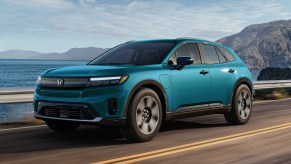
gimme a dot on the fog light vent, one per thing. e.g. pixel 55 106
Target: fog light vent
pixel 112 106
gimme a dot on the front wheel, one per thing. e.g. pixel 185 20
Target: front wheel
pixel 241 106
pixel 144 116
pixel 62 126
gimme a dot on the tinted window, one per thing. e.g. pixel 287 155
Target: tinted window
pixel 125 54
pixel 210 54
pixel 227 54
pixel 190 49
pixel 141 53
pixel 220 56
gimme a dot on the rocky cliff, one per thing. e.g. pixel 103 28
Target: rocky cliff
pixel 275 74
pixel 263 45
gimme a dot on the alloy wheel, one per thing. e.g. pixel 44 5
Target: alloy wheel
pixel 147 115
pixel 244 104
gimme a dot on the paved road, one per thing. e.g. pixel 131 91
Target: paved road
pixel 208 139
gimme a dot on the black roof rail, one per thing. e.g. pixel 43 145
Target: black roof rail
pixel 182 38
pixel 130 41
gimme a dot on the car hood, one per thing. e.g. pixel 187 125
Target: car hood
pixel 84 71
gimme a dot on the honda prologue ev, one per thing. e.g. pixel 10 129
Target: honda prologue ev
pixel 137 85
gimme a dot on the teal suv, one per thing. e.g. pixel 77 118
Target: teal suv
pixel 139 84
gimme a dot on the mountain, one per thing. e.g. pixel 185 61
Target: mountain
pixel 263 45
pixel 18 54
pixel 88 53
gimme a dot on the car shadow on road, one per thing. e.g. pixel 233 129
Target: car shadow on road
pixel 181 125
pixel 44 139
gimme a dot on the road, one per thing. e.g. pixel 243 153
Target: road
pixel 208 139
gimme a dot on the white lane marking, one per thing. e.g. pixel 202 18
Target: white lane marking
pixel 27 127
pixel 269 101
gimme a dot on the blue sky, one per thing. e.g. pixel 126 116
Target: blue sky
pixel 57 25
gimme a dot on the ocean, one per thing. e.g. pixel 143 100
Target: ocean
pixel 23 73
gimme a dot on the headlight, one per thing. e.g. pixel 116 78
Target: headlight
pixel 38 81
pixel 113 80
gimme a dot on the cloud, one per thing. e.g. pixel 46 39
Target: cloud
pixel 57 4
pixel 136 5
pixel 90 2
pixel 136 20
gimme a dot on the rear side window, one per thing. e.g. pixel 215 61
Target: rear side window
pixel 189 49
pixel 227 54
pixel 210 54
pixel 221 57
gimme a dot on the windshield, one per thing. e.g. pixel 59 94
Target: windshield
pixel 141 53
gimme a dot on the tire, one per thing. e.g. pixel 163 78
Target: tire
pixel 62 126
pixel 241 109
pixel 144 116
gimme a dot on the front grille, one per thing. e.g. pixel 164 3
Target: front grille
pixel 68 82
pixel 68 112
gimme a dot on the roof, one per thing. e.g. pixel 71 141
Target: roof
pixel 181 39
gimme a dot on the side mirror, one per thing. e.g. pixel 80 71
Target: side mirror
pixel 182 61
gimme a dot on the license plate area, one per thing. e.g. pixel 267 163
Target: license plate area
pixel 64 113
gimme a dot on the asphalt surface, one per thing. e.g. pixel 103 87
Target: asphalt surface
pixel 265 139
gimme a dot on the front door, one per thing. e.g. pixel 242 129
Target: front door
pixel 191 85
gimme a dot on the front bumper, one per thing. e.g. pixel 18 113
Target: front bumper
pixel 114 122
pixel 74 112
pixel 98 99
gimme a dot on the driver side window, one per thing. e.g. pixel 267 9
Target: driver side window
pixel 189 49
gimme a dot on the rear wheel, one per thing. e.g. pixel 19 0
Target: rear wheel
pixel 62 126
pixel 241 106
pixel 144 116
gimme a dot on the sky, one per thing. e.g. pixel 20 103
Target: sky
pixel 58 25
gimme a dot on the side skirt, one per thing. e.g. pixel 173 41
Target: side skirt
pixel 198 110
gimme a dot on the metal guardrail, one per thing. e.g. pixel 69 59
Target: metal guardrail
pixel 258 85
pixel 16 95
pixel 25 95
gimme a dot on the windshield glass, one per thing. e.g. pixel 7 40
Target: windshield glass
pixel 140 53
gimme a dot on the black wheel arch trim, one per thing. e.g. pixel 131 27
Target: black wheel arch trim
pixel 145 83
pixel 238 83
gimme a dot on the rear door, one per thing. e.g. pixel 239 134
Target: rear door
pixel 191 87
pixel 222 75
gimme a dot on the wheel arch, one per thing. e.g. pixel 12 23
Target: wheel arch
pixel 239 82
pixel 154 85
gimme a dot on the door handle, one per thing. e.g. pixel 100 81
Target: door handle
pixel 203 72
pixel 231 70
